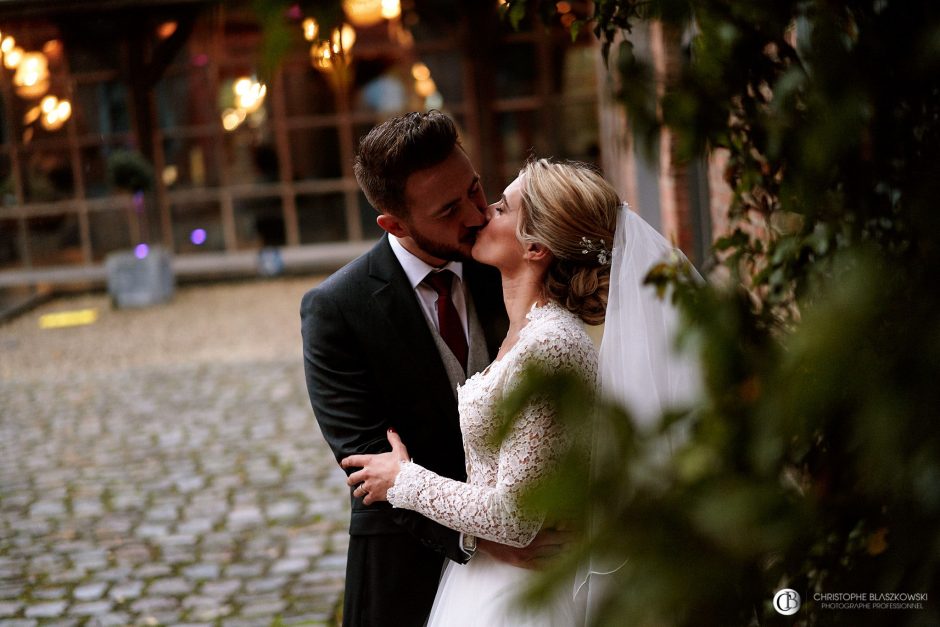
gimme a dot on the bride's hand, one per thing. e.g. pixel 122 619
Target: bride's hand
pixel 378 472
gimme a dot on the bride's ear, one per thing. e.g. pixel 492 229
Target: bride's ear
pixel 537 252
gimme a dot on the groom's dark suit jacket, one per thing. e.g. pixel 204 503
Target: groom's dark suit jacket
pixel 372 363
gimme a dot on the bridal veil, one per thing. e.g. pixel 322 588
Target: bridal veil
pixel 639 366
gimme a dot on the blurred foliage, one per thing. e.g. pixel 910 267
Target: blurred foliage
pixel 813 460
pixel 129 170
pixel 280 22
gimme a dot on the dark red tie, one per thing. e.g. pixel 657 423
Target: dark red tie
pixel 448 320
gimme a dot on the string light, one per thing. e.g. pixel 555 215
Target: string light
pixel 166 30
pixel 232 118
pixel 425 87
pixel 53 49
pixel 364 13
pixel 420 72
pixel 53 119
pixel 249 96
pixel 343 38
pixel 391 9
pixel 32 75
pixel 311 28
pixel 48 103
pixel 321 56
pixel 31 80
pixel 13 58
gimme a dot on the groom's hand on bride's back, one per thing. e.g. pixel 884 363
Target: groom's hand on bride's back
pixel 547 544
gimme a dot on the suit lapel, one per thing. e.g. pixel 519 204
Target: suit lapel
pixel 402 324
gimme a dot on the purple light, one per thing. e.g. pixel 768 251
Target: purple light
pixel 200 60
pixel 141 251
pixel 294 12
pixel 198 237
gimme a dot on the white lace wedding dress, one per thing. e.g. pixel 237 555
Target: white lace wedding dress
pixel 483 591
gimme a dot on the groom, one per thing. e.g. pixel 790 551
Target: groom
pixel 385 348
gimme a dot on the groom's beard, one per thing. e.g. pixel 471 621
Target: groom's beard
pixel 446 251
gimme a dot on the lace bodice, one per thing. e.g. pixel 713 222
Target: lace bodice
pixel 488 504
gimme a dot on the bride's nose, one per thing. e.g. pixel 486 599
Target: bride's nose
pixel 490 212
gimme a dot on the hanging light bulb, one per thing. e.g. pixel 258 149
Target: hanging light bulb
pixel 249 94
pixel 425 87
pixel 241 86
pixel 57 116
pixel 321 56
pixel 31 116
pixel 166 30
pixel 64 109
pixel 232 118
pixel 343 38
pixel 311 28
pixel 364 13
pixel 7 44
pixel 420 71
pixel 48 103
pixel 391 9
pixel 13 58
pixel 53 49
pixel 32 75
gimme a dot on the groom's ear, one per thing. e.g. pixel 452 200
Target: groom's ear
pixel 392 224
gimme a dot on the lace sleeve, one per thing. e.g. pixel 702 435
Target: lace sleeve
pixel 527 455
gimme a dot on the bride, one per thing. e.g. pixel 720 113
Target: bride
pixel 556 235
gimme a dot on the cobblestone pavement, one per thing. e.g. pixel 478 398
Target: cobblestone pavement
pixel 163 467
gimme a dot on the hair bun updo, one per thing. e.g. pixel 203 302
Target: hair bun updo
pixel 564 204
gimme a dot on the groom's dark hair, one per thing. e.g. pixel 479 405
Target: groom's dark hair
pixel 397 148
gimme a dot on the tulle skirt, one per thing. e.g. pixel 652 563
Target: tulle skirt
pixel 483 592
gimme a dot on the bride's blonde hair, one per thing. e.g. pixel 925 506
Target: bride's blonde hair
pixel 564 205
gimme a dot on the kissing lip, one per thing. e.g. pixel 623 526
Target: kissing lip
pixel 471 237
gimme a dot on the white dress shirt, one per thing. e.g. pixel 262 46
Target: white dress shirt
pixel 416 270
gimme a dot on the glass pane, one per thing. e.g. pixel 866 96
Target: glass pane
pixel 190 162
pixel 259 222
pixel 518 133
pixel 437 25
pixel 183 98
pixel 47 175
pixel 4 137
pixel 251 158
pixel 447 73
pixel 110 231
pixel 315 153
pixel 307 92
pixel 9 243
pixel 102 108
pixel 7 186
pixel 321 218
pixel 54 239
pixel 197 227
pixel 103 50
pixel 95 160
pixel 515 72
